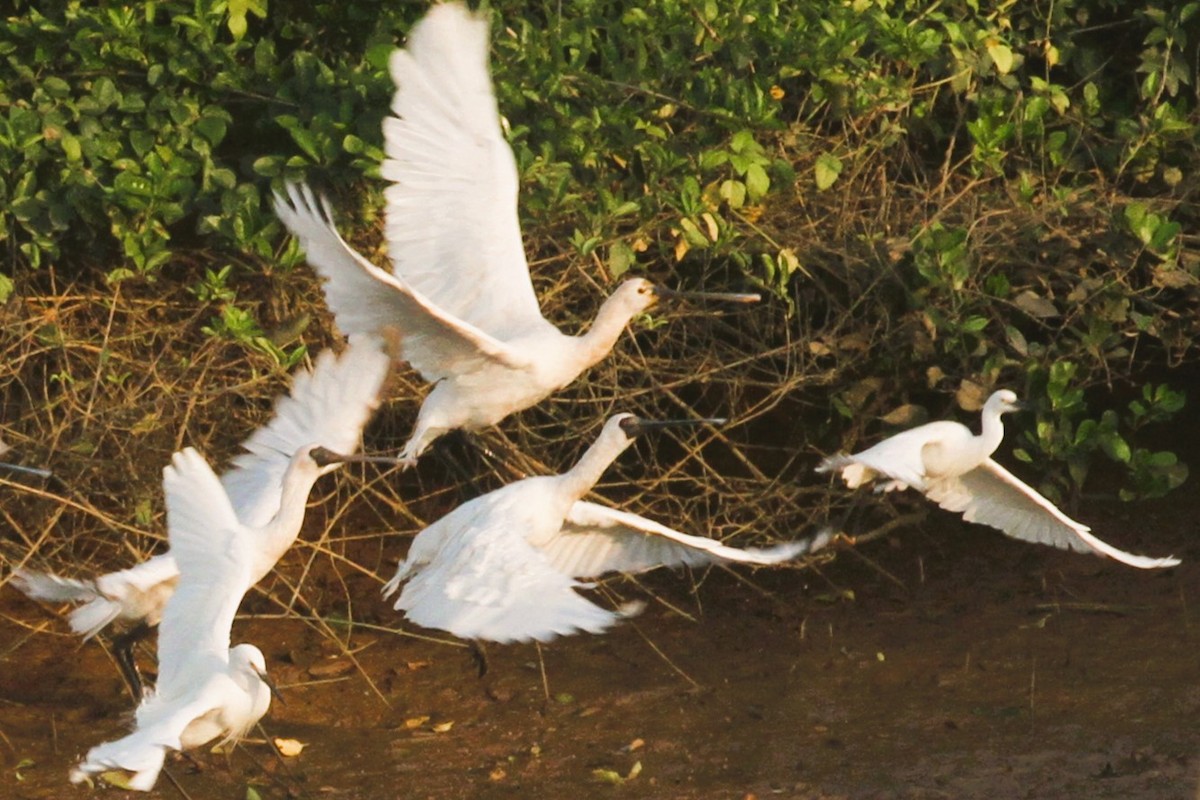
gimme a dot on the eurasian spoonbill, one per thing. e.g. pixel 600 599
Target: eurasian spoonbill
pixel 504 567
pixel 268 486
pixel 953 468
pixel 459 293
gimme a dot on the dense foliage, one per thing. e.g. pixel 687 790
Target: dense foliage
pixel 971 196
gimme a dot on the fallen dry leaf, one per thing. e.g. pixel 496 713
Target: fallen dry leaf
pixel 289 747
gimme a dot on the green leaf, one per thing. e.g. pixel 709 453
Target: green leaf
pixel 974 324
pixel 757 182
pixel 620 258
pixel 71 147
pixel 827 170
pixel 733 192
pixel 1001 56
pixel 212 128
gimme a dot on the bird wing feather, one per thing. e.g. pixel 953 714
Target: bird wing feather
pixel 328 406
pixel 993 496
pixel 160 726
pixel 596 539
pixel 487 582
pixel 213 551
pixel 452 226
pixel 367 299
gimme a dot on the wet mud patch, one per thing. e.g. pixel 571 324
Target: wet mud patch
pixel 976 667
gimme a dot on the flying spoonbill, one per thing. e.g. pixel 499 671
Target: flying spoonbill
pixel 953 468
pixel 459 293
pixel 504 567
pixel 267 486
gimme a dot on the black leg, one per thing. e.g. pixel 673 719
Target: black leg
pixel 123 645
pixel 451 450
pixel 479 656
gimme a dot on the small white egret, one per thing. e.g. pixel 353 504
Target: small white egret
pixel 504 566
pixel 205 689
pixel 459 293
pixel 268 486
pixel 953 468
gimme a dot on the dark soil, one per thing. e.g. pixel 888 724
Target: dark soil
pixel 978 667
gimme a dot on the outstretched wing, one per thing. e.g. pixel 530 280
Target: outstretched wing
pixel 991 495
pixel 328 406
pixel 213 552
pixel 596 539
pixel 368 300
pixel 487 582
pixel 452 227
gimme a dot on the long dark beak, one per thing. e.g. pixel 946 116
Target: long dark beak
pixel 276 697
pixel 36 472
pixel 663 293
pixel 323 457
pixel 1021 406
pixel 636 426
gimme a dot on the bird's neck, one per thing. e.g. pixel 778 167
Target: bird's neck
pixel 990 436
pixel 284 527
pixel 586 473
pixel 606 329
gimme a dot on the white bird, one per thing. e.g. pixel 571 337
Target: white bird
pixel 953 468
pixel 205 689
pixel 459 294
pixel 268 486
pixel 504 567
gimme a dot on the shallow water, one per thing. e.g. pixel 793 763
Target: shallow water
pixel 987 669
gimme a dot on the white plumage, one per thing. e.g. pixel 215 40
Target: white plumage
pixel 953 468
pixel 505 566
pixel 205 689
pixel 459 294
pixel 327 408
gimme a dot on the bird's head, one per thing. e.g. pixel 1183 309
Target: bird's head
pixel 248 657
pixel 1004 401
pixel 638 294
pixel 635 295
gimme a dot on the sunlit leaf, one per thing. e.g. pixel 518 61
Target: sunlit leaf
pixel 1001 56
pixel 826 170
pixel 289 747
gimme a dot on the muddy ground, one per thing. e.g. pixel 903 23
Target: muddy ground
pixel 977 668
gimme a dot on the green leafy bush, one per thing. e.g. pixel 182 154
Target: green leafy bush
pixel 939 195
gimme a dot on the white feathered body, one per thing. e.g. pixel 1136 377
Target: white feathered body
pixel 505 566
pixel 953 468
pixel 917 457
pixel 484 395
pixel 217 700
